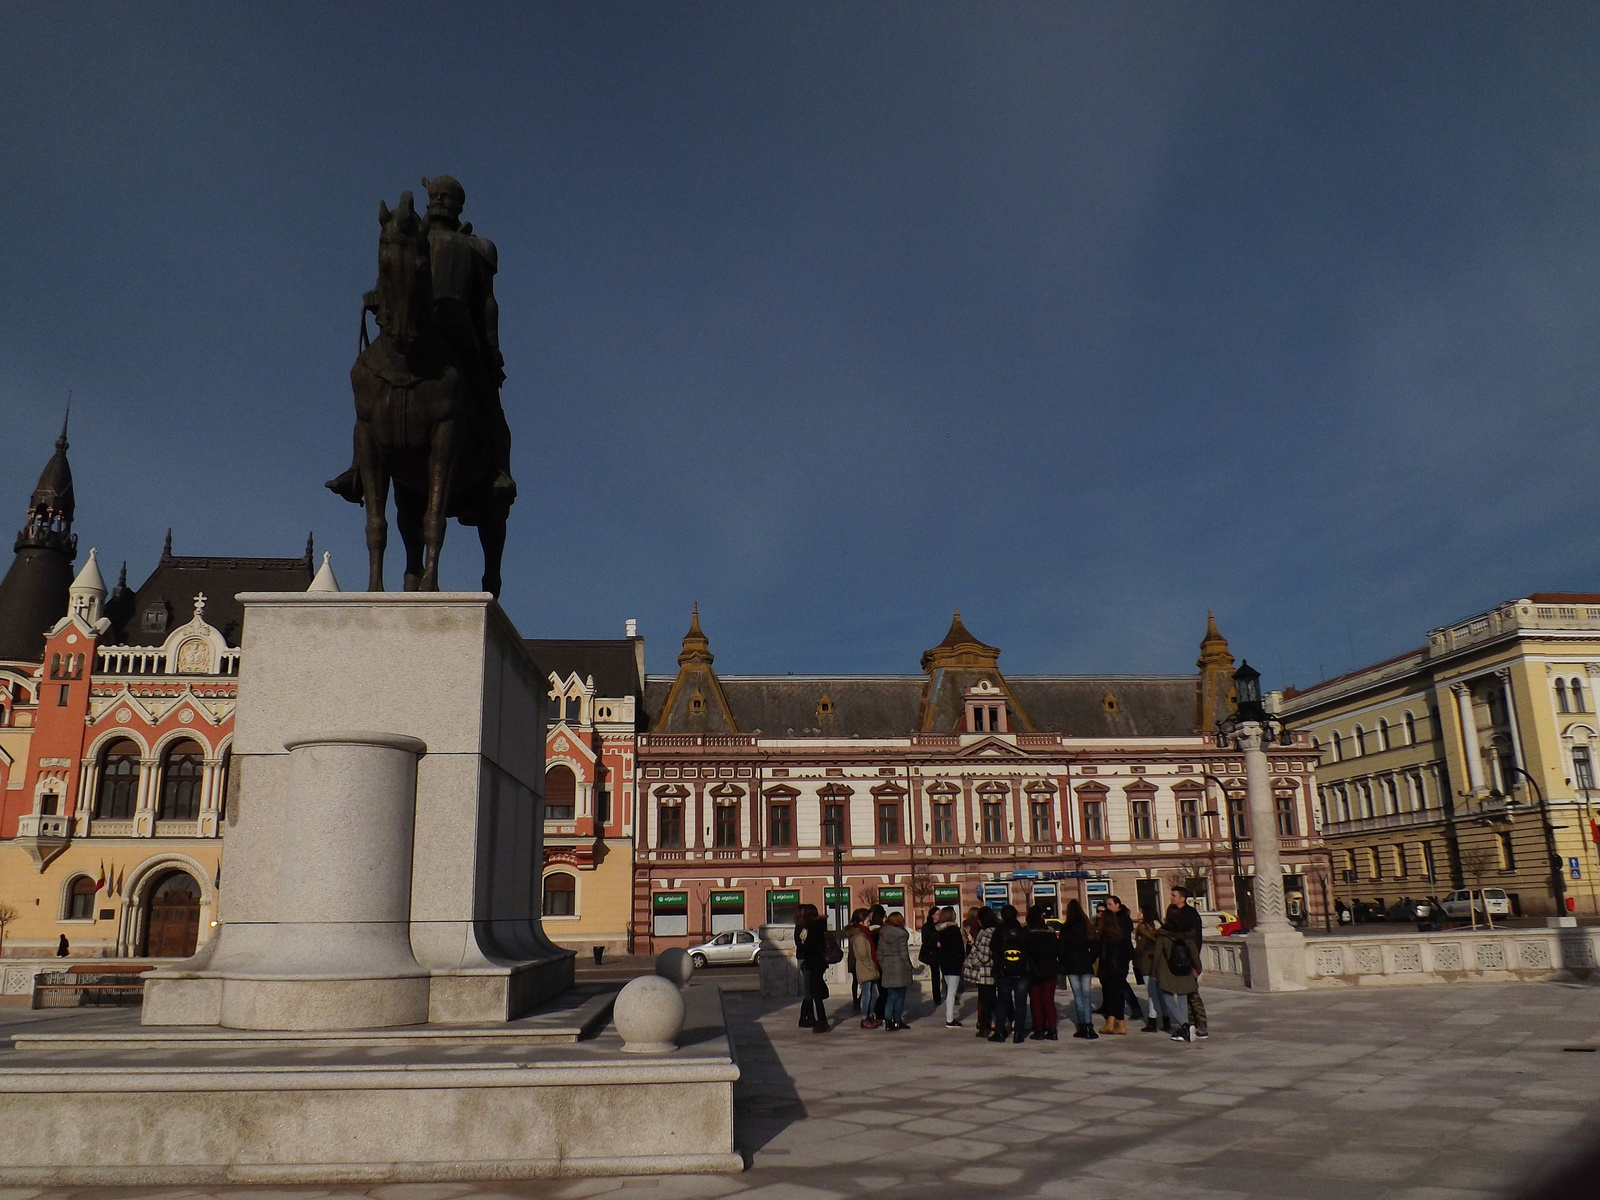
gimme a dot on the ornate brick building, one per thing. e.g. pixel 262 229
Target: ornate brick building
pixel 959 785
pixel 116 718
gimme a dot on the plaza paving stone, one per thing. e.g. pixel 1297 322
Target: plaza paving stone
pixel 1442 1093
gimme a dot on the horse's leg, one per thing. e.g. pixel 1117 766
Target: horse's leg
pixel 408 517
pixel 375 498
pixel 492 536
pixel 440 464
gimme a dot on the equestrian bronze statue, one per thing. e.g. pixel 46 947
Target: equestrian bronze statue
pixel 427 392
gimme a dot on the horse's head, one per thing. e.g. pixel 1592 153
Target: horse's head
pixel 405 280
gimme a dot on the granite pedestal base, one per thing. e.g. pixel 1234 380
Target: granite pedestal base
pixel 142 1107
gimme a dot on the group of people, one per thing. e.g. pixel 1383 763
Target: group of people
pixel 1014 964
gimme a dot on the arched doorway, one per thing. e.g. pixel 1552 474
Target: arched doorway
pixel 173 925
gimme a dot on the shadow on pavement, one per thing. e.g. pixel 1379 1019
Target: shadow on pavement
pixel 765 1100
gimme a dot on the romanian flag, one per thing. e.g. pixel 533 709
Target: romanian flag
pixel 1594 831
pixel 100 883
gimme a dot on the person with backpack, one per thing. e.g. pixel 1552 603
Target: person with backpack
pixel 978 967
pixel 1009 949
pixel 1077 964
pixel 1144 969
pixel 1044 964
pixel 928 955
pixel 866 961
pixel 1178 968
pixel 894 967
pixel 811 940
pixel 950 953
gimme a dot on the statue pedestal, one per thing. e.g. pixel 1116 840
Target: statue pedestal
pixel 1275 960
pixel 377 879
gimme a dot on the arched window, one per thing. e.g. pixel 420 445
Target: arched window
pixel 180 782
pixel 1578 704
pixel 1383 734
pixel 1411 730
pixel 560 794
pixel 1338 747
pixel 119 781
pixel 80 899
pixel 560 895
pixel 1561 696
pixel 574 709
pixel 1361 740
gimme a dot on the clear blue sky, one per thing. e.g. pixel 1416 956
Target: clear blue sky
pixel 1082 317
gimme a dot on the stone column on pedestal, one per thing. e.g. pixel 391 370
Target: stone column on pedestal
pixel 1276 948
pixel 340 955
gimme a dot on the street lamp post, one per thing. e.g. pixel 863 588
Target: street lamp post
pixel 1558 883
pixel 836 835
pixel 1276 948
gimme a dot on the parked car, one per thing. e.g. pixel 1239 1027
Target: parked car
pixel 1463 902
pixel 738 946
pixel 1365 912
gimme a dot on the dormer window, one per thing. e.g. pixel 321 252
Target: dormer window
pixel 155 619
pixel 986 709
pixel 697 703
pixel 825 707
pixel 1109 702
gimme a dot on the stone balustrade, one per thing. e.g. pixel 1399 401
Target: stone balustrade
pixel 1414 958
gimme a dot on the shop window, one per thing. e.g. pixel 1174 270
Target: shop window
pixel 669 914
pixel 560 794
pixel 560 895
pixel 119 781
pixel 782 905
pixel 727 912
pixel 180 782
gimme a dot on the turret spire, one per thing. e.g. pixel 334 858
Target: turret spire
pixel 696 645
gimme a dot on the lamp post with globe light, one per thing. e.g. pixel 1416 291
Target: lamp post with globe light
pixel 1276 947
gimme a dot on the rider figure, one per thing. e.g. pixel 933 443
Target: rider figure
pixel 468 318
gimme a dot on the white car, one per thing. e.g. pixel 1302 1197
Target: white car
pixel 739 946
pixel 1461 903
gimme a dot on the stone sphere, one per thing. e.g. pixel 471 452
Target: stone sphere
pixel 676 965
pixel 649 1015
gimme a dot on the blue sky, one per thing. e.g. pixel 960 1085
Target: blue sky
pixel 832 317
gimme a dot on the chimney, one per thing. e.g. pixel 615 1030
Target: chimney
pixel 630 627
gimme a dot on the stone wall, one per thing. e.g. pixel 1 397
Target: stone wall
pixel 1448 956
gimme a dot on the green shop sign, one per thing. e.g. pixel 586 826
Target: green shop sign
pixel 786 897
pixel 892 895
pixel 670 899
pixel 831 896
pixel 947 895
pixel 734 900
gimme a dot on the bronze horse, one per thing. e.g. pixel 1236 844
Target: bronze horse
pixel 417 421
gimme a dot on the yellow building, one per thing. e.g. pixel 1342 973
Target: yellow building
pixel 1468 762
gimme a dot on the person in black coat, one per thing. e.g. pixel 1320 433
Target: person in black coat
pixel 1044 964
pixel 927 954
pixel 811 954
pixel 949 954
pixel 1118 998
pixel 1009 949
pixel 1077 964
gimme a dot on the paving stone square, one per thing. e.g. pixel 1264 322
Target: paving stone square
pixel 1443 1093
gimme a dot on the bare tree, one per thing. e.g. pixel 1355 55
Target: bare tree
pixel 1476 864
pixel 8 914
pixel 1192 874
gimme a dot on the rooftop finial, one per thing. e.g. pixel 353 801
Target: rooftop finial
pixel 309 550
pixel 696 646
pixel 61 442
pixel 166 547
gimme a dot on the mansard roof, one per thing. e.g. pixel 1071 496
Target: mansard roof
pixel 883 706
pixel 170 591
pixel 613 662
pixel 698 700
